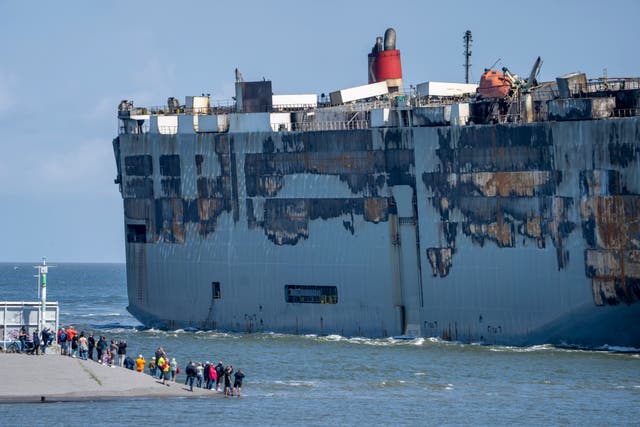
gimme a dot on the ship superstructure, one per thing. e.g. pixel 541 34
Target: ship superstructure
pixel 506 212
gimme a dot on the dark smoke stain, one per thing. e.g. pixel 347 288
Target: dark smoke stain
pixel 501 179
pixel 286 221
pixel 440 261
pixel 621 154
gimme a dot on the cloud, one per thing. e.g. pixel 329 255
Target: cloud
pixel 83 167
pixel 7 84
pixel 155 74
pixel 104 108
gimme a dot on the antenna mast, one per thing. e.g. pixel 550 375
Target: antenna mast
pixel 467 54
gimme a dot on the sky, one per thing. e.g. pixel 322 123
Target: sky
pixel 65 66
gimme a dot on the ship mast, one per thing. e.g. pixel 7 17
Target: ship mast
pixel 467 54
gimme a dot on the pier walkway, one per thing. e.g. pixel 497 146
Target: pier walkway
pixel 47 378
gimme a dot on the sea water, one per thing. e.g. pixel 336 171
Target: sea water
pixel 332 380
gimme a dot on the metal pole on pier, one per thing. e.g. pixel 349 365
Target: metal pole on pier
pixel 42 273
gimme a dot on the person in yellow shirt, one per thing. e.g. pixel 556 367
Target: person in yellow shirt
pixel 140 362
pixel 159 363
pixel 163 365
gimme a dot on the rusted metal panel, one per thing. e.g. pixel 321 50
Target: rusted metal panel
pixel 611 227
pixel 169 221
pixel 491 184
pixel 611 222
pixel 581 108
pixel 376 209
pixel 208 212
pixel 440 260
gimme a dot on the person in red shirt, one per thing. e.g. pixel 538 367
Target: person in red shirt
pixel 71 333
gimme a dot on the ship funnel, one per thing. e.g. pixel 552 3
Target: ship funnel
pixel 390 39
pixel 377 48
pixel 385 64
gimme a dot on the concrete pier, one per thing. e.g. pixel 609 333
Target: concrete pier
pixel 48 378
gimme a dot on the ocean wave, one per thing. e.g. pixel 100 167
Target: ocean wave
pixel 618 349
pixel 196 333
pixel 440 386
pixel 115 328
pixel 76 315
pixel 391 383
pixel 513 349
pixel 293 383
pixel 391 341
pixel 332 338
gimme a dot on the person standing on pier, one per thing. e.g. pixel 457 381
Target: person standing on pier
pixel 101 348
pixel 22 336
pixel 70 334
pixel 36 342
pixel 191 374
pixel 164 369
pixel 91 343
pixel 113 353
pixel 227 380
pixel 237 383
pixel 46 339
pixel 213 376
pixel 122 351
pixel 199 374
pixel 153 368
pixel 173 368
pixel 83 343
pixel 220 373
pixel 62 341
pixel 140 362
pixel 207 377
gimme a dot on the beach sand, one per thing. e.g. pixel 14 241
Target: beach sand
pixel 27 378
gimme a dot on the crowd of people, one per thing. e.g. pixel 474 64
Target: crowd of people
pixel 205 375
pixel 114 353
pixel 36 342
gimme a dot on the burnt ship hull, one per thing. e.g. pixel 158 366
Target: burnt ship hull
pixel 513 234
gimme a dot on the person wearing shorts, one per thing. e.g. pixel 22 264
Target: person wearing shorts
pixel 227 380
pixel 237 383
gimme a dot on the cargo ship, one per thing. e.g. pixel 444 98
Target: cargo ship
pixel 504 212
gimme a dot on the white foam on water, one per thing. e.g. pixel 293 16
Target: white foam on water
pixel 513 349
pixel 619 349
pixel 97 314
pixel 393 383
pixel 296 383
pixel 333 338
